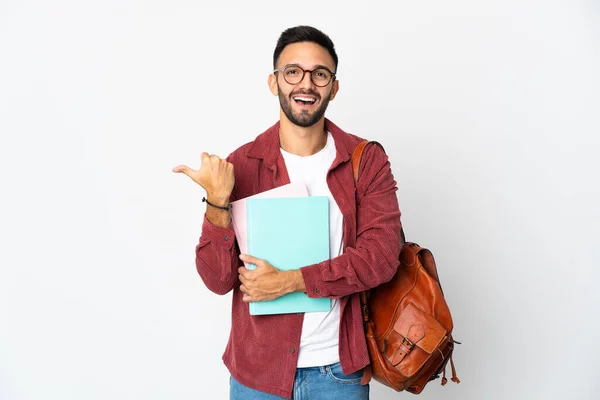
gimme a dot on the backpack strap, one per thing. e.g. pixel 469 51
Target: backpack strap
pixel 357 156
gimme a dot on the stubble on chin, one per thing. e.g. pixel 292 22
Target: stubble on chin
pixel 305 119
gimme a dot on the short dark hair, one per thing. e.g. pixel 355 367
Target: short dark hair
pixel 304 33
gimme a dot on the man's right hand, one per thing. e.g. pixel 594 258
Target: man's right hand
pixel 215 176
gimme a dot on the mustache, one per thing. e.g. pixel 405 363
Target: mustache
pixel 310 92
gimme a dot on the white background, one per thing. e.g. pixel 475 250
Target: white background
pixel 488 109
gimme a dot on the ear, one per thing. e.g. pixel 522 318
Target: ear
pixel 273 85
pixel 334 89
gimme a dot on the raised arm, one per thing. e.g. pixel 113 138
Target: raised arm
pixel 216 254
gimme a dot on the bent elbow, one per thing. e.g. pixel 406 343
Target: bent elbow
pixel 390 271
pixel 214 279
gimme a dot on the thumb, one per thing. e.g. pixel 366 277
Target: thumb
pixel 249 259
pixel 258 262
pixel 183 169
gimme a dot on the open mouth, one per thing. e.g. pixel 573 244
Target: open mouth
pixel 305 100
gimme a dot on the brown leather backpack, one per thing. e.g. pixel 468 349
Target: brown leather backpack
pixel 408 325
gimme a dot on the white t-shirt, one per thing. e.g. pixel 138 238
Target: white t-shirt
pixel 320 330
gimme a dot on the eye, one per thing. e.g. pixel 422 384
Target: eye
pixel 291 71
pixel 321 74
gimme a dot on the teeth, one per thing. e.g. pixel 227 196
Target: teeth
pixel 305 99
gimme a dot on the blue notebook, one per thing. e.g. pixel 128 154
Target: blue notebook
pixel 289 233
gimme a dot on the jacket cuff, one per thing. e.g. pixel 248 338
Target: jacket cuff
pixel 313 280
pixel 224 237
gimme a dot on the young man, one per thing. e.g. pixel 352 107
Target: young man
pixel 312 355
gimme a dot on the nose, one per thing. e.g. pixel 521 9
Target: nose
pixel 306 81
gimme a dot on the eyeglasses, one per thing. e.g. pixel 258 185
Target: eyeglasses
pixel 294 74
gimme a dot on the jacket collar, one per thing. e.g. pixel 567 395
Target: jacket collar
pixel 266 145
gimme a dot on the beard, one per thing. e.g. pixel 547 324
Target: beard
pixel 305 118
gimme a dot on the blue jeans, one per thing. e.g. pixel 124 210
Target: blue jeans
pixel 315 383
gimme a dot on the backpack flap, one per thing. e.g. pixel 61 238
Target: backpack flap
pixel 415 336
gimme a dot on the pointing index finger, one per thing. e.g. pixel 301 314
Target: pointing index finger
pixel 204 157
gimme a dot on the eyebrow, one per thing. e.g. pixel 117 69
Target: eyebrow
pixel 316 67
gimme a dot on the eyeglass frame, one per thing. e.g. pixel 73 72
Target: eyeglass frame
pixel 304 71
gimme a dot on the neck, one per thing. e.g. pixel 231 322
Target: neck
pixel 302 141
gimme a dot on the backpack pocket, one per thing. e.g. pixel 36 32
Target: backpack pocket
pixel 415 336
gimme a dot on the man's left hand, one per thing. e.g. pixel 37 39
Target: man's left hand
pixel 267 282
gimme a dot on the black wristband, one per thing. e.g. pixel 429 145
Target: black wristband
pixel 215 206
